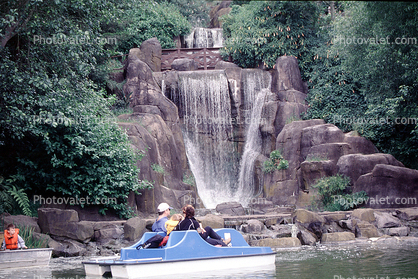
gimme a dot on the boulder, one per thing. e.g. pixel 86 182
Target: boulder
pixel 289 75
pixel 184 64
pixel 218 11
pixel 150 53
pixel 64 223
pixel 337 237
pixel 230 208
pixel 364 214
pixel 306 237
pixel 134 228
pixel 356 165
pixel 21 221
pixel 42 239
pixel 253 226
pixel 307 217
pixel 50 218
pixel 284 242
pixel 313 170
pixel 67 248
pixel 213 221
pixel 107 233
pixel 333 227
pixel 407 214
pixel 389 186
pixel 282 230
pixel 221 65
pixel 289 140
pixel 365 229
pixel 386 220
pixel 335 216
pixel 400 231
pixel 359 145
pixel 322 134
pixel 292 96
pixel 347 225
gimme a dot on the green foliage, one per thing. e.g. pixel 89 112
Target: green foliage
pixel 145 184
pixel 137 21
pixel 11 198
pixel 196 12
pixel 157 168
pixel 31 241
pixel 258 32
pixel 58 136
pixel 189 179
pixel 275 162
pixel 333 196
pixel 365 74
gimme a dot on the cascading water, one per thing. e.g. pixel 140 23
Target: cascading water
pixel 205 109
pixel 252 150
pixel 204 37
pixel 207 129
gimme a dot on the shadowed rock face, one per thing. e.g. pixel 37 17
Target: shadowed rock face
pixel 154 131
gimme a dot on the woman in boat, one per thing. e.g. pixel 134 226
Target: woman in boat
pixel 207 233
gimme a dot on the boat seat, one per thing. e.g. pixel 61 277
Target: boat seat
pixel 236 237
pixel 175 237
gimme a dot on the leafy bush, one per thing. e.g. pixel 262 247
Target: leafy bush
pixel 258 32
pixel 275 162
pixel 331 191
pixel 142 20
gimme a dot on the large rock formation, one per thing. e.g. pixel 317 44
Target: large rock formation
pixel 313 148
pixel 155 133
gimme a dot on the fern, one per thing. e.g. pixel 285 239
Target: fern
pixel 21 198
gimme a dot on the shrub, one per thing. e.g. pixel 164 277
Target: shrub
pixel 331 191
pixel 275 162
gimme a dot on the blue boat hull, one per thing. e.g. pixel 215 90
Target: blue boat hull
pixel 185 252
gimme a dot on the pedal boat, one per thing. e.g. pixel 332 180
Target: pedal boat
pixel 185 252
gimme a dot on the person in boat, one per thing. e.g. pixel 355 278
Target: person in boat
pixel 173 222
pixel 12 239
pixel 163 213
pixel 207 233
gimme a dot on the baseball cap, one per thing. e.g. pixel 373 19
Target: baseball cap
pixel 163 207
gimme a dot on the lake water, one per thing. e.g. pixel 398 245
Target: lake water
pixel 391 260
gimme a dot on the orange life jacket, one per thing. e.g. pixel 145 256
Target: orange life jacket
pixel 11 241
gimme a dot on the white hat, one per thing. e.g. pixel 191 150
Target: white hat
pixel 163 207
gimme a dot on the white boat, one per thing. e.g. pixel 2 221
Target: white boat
pixel 185 252
pixel 25 257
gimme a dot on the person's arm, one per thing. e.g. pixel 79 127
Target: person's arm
pixel 20 242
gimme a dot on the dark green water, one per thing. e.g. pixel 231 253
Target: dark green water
pixel 390 260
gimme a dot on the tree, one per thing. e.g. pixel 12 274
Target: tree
pixel 378 44
pixel 258 32
pixel 58 136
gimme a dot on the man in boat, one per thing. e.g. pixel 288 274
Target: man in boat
pixel 163 213
pixel 12 239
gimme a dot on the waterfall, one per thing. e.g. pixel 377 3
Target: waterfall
pixel 204 103
pixel 252 150
pixel 207 129
pixel 204 37
pixel 253 81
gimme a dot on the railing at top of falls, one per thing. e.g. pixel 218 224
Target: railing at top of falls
pixel 206 58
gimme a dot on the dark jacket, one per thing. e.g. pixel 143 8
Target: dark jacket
pixel 187 224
